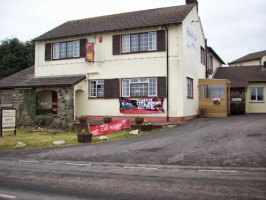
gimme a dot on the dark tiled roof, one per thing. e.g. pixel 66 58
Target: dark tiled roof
pixel 130 20
pixel 251 56
pixel 25 78
pixel 241 76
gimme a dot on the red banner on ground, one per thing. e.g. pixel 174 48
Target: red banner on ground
pixel 110 127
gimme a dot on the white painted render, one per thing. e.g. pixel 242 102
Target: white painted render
pixel 255 107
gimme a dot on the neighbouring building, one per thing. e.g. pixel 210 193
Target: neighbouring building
pixel 247 88
pixel 252 59
pixel 104 65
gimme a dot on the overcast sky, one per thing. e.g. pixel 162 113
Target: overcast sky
pixel 233 28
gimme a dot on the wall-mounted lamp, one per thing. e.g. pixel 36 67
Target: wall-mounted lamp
pixel 100 39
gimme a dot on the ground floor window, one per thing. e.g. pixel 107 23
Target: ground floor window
pixel 139 87
pixel 189 88
pixel 257 94
pixel 97 88
pixel 6 97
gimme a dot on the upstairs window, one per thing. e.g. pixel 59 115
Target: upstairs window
pixel 66 50
pixel 202 55
pixel 256 94
pixel 210 62
pixel 139 42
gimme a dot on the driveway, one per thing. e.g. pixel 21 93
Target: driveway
pixel 236 141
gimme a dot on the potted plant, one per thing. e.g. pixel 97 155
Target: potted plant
pixel 139 120
pixel 84 136
pixel 107 119
pixel 146 126
pixel 82 119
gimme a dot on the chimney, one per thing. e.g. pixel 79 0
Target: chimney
pixel 192 2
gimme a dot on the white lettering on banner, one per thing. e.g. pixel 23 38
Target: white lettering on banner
pixel 147 104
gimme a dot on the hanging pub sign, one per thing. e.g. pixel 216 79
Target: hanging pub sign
pixel 149 105
pixel 89 52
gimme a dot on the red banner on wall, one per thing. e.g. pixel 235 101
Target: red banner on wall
pixel 89 52
pixel 151 105
pixel 110 127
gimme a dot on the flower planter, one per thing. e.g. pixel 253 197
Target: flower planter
pixel 82 138
pixel 107 120
pixel 83 120
pixel 139 120
pixel 146 127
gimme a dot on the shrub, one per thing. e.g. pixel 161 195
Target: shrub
pixel 44 120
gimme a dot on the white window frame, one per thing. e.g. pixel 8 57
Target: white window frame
pixel 125 43
pixel 139 80
pixel 71 50
pixel 98 82
pixel 256 91
pixel 152 41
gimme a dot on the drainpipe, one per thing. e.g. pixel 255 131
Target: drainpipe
pixel 206 59
pixel 167 75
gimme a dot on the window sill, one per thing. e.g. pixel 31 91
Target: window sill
pixel 190 98
pixel 256 102
pixel 65 58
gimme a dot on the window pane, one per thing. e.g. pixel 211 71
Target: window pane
pixel 189 87
pixel 125 88
pixel 152 41
pixel 144 42
pixel 93 89
pixel 62 50
pixel 56 47
pixel 70 49
pixel 212 91
pixel 139 90
pixel 100 90
pixel 134 43
pixel 76 50
pixel 253 94
pixel 125 43
pixel 152 87
pixel 260 94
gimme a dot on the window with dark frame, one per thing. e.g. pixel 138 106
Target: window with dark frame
pixel 139 42
pixel 210 62
pixel 97 88
pixel 202 55
pixel 69 49
pixel 189 88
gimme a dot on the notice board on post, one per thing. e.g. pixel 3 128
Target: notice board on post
pixel 8 120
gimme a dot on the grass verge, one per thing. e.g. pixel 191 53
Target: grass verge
pixel 43 139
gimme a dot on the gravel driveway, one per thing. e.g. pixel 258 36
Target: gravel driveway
pixel 233 141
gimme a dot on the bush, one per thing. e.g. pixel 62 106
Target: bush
pixel 44 120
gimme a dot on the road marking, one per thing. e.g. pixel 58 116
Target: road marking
pixel 217 170
pixel 28 161
pixel 79 164
pixel 146 168
pixel 7 196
